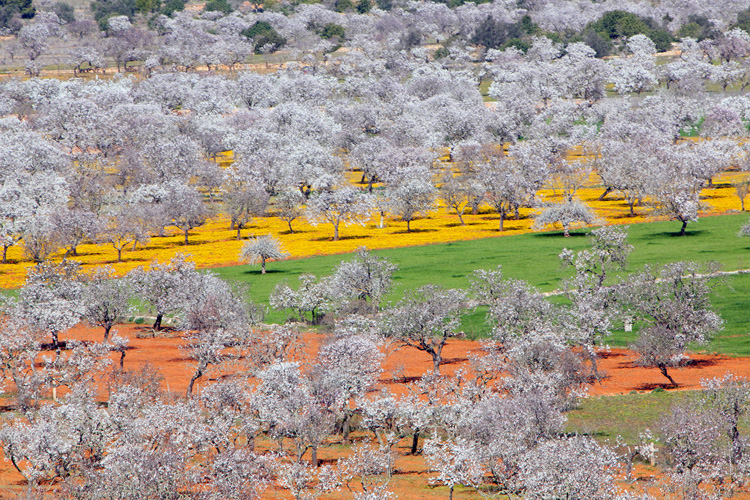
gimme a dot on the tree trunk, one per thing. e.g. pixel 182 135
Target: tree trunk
pixel 186 237
pixel 5 250
pixel 604 194
pixel 335 232
pixel 198 373
pixel 566 230
pixel 415 443
pixel 122 358
pixel 56 345
pixel 346 427
pixel 314 456
pixel 291 231
pixel 119 254
pixel 107 328
pixel 262 265
pixel 239 228
pixel 663 370
pixel 734 435
pixel 450 494
pixel 594 367
pixel 30 482
pixel 408 226
pixel 436 360
pixel 157 322
pixel 381 225
pixel 502 221
pixel 684 225
pixel 629 465
pixel 460 218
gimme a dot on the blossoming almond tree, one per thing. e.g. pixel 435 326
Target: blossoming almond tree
pixel 347 205
pixel 426 320
pixel 673 303
pixel 258 250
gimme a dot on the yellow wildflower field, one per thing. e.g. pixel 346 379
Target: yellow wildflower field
pixel 214 244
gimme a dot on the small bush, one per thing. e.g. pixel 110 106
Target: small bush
pixel 218 6
pixel 64 11
pixel 263 34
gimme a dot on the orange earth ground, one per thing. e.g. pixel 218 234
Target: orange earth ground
pixel 412 480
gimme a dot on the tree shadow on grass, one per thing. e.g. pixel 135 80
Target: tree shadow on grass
pixel 258 272
pixel 676 234
pixel 589 433
pixel 560 234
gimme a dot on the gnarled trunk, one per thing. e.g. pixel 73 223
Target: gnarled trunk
pixel 663 370
pixel 198 374
pixel 157 321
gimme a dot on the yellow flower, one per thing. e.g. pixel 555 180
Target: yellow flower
pixel 214 244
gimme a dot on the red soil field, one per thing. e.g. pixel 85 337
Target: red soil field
pixel 411 482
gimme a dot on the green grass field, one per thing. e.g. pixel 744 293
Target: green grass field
pixel 627 416
pixel 534 258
